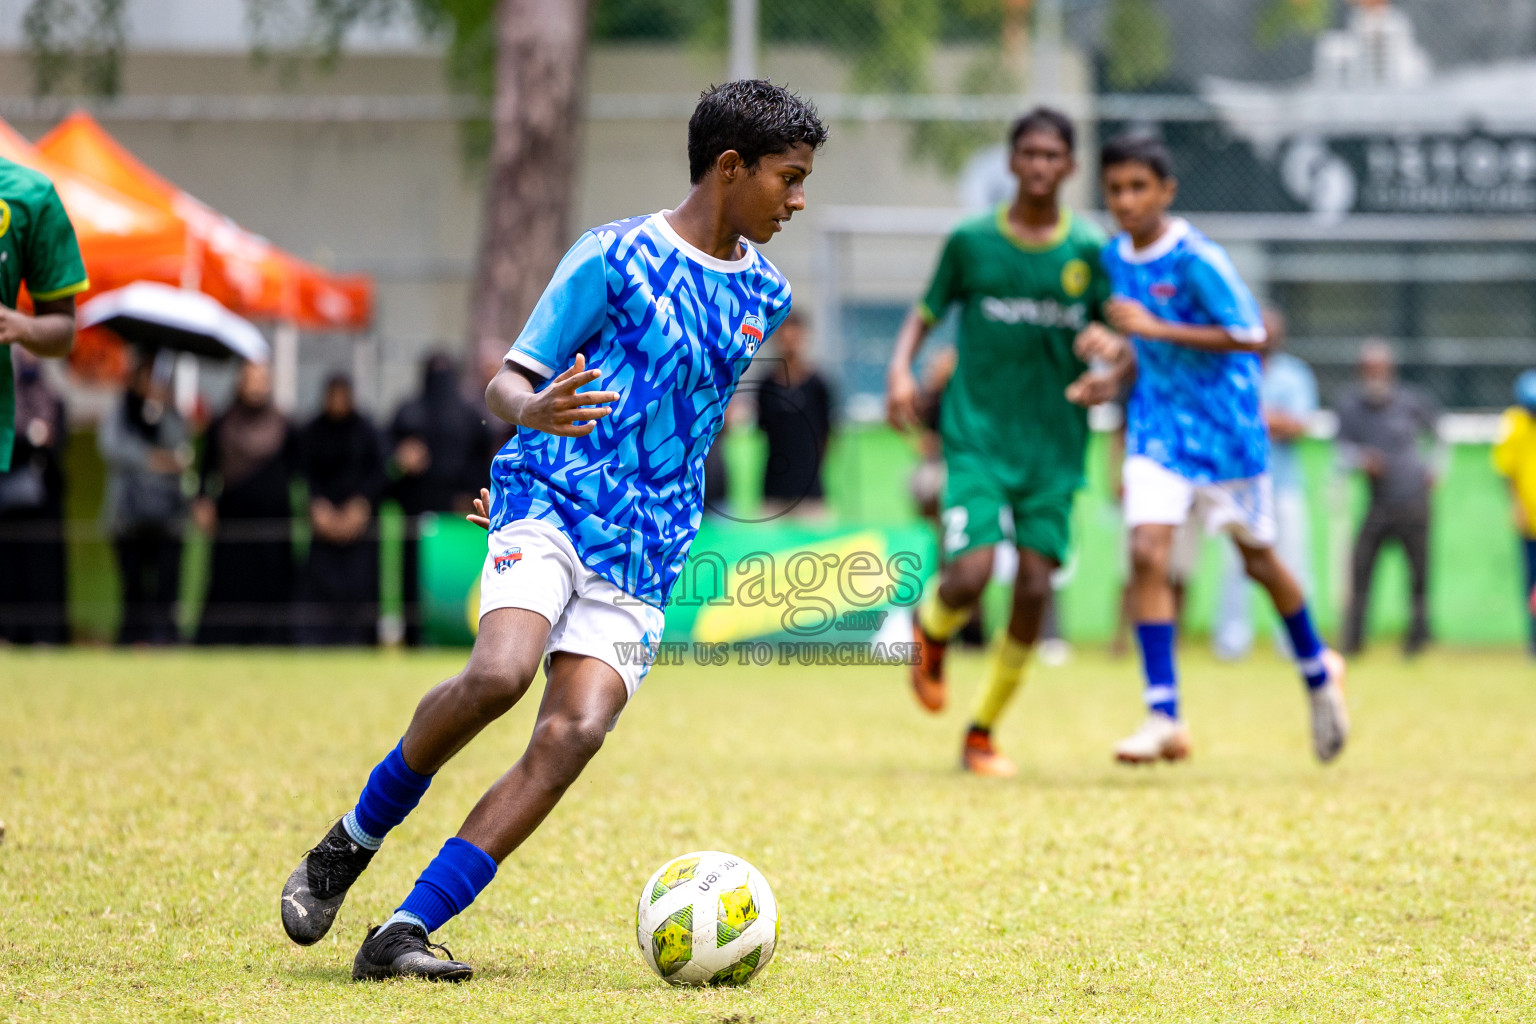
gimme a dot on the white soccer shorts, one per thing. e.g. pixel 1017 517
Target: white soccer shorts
pixel 532 565
pixel 1243 508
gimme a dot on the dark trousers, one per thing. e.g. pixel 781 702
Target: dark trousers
pixel 32 609
pixel 340 600
pixel 1408 526
pixel 1529 544
pixel 149 565
pixel 250 585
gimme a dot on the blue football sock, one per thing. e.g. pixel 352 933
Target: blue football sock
pixel 451 882
pixel 1307 647
pixel 1156 642
pixel 392 792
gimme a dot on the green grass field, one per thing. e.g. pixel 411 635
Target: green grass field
pixel 154 803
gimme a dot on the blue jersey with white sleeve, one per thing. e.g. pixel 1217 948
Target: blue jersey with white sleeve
pixel 1195 412
pixel 671 328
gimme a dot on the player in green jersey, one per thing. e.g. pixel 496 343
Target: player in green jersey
pixel 38 248
pixel 1013 420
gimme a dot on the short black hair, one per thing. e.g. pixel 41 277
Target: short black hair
pixel 752 116
pixel 1044 119
pixel 1137 149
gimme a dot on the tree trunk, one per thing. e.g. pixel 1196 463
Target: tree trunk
pixel 530 187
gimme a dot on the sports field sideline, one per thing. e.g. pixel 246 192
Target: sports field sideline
pixel 154 803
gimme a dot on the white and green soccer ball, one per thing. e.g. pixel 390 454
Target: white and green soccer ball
pixel 707 919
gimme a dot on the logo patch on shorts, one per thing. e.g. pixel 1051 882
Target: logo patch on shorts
pixel 506 560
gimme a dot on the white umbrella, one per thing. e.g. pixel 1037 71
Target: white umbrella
pixel 155 315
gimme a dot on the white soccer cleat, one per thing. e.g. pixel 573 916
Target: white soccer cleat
pixel 1330 712
pixel 1160 738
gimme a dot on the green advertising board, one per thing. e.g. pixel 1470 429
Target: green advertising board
pixel 781 581
pixel 1475 591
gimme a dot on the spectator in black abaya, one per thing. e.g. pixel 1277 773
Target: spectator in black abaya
pixel 343 462
pixel 438 463
pixel 32 609
pixel 144 443
pixel 250 457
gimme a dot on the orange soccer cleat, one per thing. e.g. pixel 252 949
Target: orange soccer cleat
pixel 928 670
pixel 980 756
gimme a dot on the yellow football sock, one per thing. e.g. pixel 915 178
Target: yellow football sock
pixel 1005 671
pixel 938 619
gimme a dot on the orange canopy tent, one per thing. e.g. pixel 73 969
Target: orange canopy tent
pixel 242 270
pixel 122 239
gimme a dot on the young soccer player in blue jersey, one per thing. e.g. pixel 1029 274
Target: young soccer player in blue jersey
pixel 1196 443
pixel 596 499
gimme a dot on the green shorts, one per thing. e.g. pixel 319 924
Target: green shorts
pixel 980 511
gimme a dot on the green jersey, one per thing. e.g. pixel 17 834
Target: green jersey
pixel 1021 307
pixel 38 248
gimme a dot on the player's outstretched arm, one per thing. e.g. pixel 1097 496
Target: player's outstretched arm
pixel 1098 344
pixel 1131 317
pixel 901 388
pixel 1094 387
pixel 1114 366
pixel 49 333
pixel 558 409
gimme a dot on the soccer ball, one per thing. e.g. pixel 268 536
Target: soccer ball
pixel 707 919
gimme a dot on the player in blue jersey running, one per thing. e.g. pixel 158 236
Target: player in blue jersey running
pixel 1196 444
pixel 595 501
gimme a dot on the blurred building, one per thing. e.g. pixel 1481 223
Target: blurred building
pixel 1374 178
pixel 361 168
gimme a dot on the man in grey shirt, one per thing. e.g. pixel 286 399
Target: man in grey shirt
pixel 145 445
pixel 1381 426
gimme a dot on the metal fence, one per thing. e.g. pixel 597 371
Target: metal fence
pixel 1371 165
pixel 1455 296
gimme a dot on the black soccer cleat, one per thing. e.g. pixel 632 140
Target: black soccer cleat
pixel 313 893
pixel 402 951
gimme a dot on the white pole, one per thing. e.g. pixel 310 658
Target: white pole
pixel 285 366
pixel 1048 80
pixel 362 376
pixel 743 39
pixel 186 384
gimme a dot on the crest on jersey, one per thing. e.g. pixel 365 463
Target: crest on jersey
pixel 751 332
pixel 5 217
pixel 506 560
pixel 1164 290
pixel 1074 278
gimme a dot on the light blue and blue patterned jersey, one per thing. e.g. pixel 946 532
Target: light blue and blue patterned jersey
pixel 1195 412
pixel 671 328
